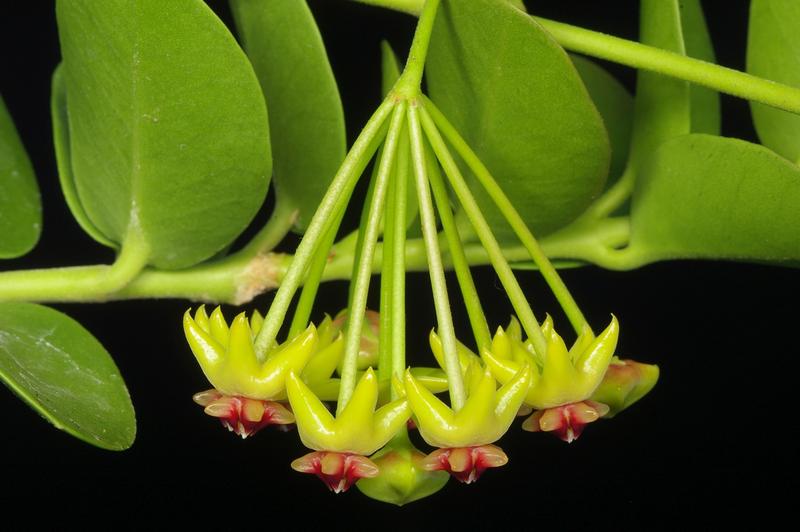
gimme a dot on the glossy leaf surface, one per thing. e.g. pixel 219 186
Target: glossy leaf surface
pixel 56 366
pixel 20 207
pixel 702 196
pixel 514 95
pixel 167 125
pixel 305 112
pixel 773 52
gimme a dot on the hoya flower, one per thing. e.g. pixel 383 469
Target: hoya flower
pixel 625 382
pixel 246 390
pixel 403 476
pixel 228 358
pixel 358 431
pixel 562 379
pixel 368 345
pixel 464 437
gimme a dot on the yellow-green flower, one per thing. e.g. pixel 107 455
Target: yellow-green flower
pixel 625 382
pixel 403 476
pixel 358 429
pixel 560 376
pixel 228 359
pixel 485 417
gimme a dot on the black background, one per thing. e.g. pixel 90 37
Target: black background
pixel 712 445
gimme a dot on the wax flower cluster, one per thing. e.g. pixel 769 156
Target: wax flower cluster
pixel 368 442
pixel 358 406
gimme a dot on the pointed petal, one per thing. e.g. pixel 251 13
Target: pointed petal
pixel 256 322
pixel 388 421
pixel 509 398
pixel 219 327
pixel 208 352
pixel 514 331
pixel 593 362
pixel 291 356
pixel 314 423
pixel 503 369
pixel 434 379
pixel 435 420
pixel 501 345
pixel 322 365
pixel 242 360
pixel 583 341
pixel 547 326
pixel 357 414
pixel 201 318
pixel 558 369
pixel 465 355
pixel 475 421
pixel 326 390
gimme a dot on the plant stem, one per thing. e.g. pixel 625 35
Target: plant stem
pixel 392 342
pixel 277 227
pixel 335 198
pixel 441 300
pixel 477 319
pixel 511 215
pixel 305 304
pixel 79 283
pixel 639 55
pixel 355 313
pixel 484 232
pixel 408 85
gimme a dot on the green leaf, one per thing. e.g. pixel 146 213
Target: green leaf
pixel 703 196
pixel 662 108
pixel 615 105
pixel 60 119
pixel 168 129
pixel 305 112
pixel 56 366
pixel 20 207
pixel 514 95
pixel 773 52
pixel 705 102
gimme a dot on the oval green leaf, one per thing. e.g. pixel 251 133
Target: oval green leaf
pixel 305 112
pixel 615 105
pixel 60 120
pixel 20 206
pixel 773 49
pixel 56 366
pixel 168 129
pixel 703 196
pixel 705 102
pixel 514 95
